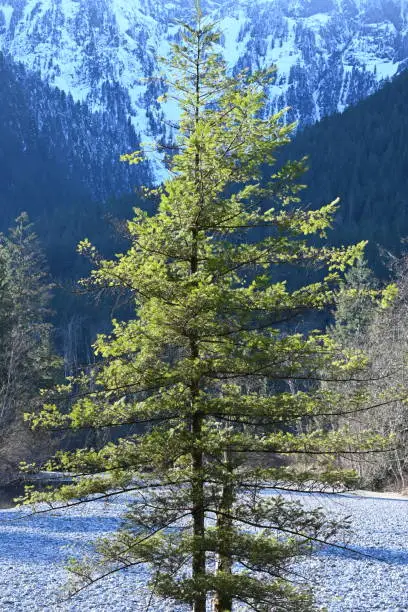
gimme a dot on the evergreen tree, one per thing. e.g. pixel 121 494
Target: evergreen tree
pixel 27 360
pixel 5 317
pixel 355 305
pixel 202 369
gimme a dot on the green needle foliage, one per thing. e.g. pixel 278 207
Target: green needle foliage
pixel 201 375
pixel 355 305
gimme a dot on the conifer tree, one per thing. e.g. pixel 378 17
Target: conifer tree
pixel 27 358
pixel 355 305
pixel 202 369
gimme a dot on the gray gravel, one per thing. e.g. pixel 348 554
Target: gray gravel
pixel 33 552
pixel 352 582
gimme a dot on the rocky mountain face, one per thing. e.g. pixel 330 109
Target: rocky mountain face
pixel 329 53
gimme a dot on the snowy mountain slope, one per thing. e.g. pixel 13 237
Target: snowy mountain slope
pixel 329 53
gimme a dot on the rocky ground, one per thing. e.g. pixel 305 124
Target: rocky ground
pixel 33 551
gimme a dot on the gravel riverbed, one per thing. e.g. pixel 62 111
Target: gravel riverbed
pixel 33 551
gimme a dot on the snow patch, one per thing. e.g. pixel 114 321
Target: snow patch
pixel 233 48
pixel 7 11
pixel 316 21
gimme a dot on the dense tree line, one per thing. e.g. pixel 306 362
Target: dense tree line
pixel 361 156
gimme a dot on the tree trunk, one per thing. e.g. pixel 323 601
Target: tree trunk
pixel 222 601
pixel 198 564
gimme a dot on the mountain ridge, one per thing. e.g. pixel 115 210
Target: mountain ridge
pixel 329 53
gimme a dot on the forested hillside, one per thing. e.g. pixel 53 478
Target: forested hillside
pixel 362 157
pixel 60 162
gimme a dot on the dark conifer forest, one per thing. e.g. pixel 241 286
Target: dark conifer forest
pixel 60 163
pixel 361 156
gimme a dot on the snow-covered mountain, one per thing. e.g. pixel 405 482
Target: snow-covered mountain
pixel 329 53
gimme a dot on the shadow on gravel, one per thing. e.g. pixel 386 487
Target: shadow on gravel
pixel 367 553
pixel 59 524
pixel 35 548
pixel 47 538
